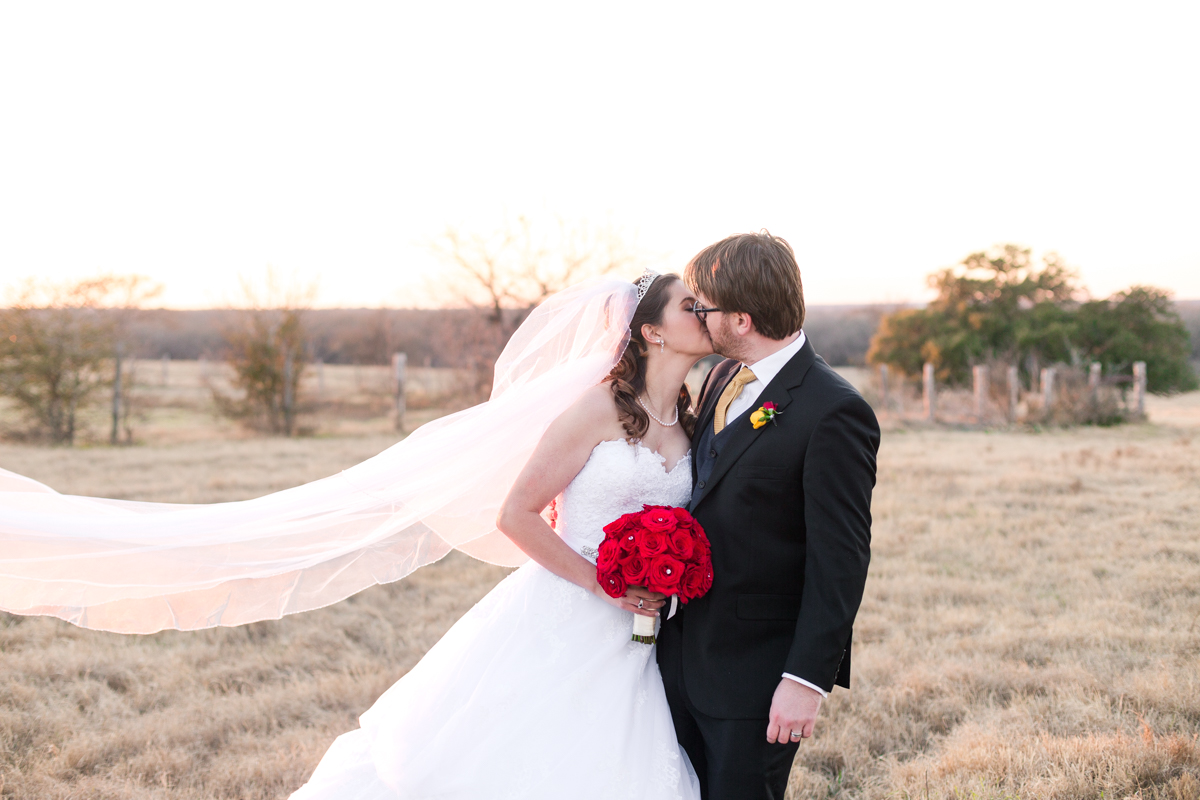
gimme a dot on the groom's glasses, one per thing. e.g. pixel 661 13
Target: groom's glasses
pixel 701 312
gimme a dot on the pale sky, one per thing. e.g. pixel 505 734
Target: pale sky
pixel 196 142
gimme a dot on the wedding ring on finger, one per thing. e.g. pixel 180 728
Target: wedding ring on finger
pixel 640 603
pixel 796 735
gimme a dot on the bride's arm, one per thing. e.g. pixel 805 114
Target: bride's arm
pixel 557 459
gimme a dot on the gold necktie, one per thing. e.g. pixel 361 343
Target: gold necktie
pixel 731 392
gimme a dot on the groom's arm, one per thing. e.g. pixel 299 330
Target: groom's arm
pixel 839 474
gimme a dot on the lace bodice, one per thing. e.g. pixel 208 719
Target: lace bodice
pixel 618 478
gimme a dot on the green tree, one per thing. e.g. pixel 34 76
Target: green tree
pixel 1138 324
pixel 994 305
pixel 266 349
pixel 997 305
pixel 57 341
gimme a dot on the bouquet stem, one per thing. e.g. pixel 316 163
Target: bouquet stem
pixel 643 629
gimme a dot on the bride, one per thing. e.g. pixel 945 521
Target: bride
pixel 540 682
pixel 538 691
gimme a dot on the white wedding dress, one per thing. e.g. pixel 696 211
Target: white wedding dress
pixel 537 693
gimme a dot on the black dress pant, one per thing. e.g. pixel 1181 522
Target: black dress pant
pixel 731 756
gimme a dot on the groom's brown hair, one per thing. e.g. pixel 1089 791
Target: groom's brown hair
pixel 755 274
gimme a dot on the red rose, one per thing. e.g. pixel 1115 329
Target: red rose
pixel 768 406
pixel 633 570
pixel 627 543
pixel 683 544
pixel 664 574
pixel 618 525
pixel 692 584
pixel 609 555
pixel 614 585
pixel 653 543
pixel 701 545
pixel 682 518
pixel 658 519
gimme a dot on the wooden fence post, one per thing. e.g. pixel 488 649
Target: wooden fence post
pixel 1047 389
pixel 288 394
pixel 979 381
pixel 1014 392
pixel 1139 388
pixel 883 387
pixel 1094 376
pixel 115 436
pixel 399 373
pixel 929 391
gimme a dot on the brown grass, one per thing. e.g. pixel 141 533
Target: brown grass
pixel 232 712
pixel 1031 629
pixel 1031 626
pixel 333 400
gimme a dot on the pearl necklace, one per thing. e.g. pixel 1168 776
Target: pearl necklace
pixel 656 419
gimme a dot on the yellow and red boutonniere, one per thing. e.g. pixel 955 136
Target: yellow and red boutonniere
pixel 765 413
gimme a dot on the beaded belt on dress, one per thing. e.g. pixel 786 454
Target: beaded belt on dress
pixel 580 545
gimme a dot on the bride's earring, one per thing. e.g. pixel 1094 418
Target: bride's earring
pixel 662 345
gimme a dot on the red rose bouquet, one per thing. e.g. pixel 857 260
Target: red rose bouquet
pixel 661 548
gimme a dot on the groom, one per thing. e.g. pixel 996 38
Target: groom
pixel 786 504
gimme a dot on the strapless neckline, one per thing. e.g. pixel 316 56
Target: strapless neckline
pixel 662 460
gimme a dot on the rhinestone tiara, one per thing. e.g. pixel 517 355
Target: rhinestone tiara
pixel 644 283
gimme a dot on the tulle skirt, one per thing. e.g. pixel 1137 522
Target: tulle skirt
pixel 537 692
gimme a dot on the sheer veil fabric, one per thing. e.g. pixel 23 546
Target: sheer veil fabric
pixel 135 567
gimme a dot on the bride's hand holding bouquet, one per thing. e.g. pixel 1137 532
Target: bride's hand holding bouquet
pixel 653 553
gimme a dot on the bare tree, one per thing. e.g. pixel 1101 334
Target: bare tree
pixel 266 351
pixel 504 274
pixel 57 344
pixel 510 270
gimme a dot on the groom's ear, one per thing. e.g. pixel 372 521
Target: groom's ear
pixel 741 323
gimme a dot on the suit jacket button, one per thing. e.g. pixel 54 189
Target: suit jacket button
pixel 700 485
pixel 712 453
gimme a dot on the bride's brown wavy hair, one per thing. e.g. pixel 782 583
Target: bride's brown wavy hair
pixel 628 378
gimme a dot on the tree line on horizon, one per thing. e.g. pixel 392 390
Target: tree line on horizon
pixel 61 344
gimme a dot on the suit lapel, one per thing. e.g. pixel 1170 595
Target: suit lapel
pixel 712 393
pixel 743 434
pixel 714 384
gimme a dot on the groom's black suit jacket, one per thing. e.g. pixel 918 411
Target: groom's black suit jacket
pixel 787 509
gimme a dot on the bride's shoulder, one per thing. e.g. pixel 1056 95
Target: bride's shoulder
pixel 586 422
pixel 597 407
pixel 597 399
pixel 594 412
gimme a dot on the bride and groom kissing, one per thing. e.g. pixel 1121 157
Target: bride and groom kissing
pixel 538 692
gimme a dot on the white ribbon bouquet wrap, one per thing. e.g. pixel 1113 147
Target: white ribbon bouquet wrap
pixel 644 628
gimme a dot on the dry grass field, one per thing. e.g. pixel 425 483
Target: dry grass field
pixel 172 402
pixel 1031 629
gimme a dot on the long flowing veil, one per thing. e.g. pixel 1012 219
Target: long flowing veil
pixel 135 567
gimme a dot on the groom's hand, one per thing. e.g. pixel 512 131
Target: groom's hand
pixel 793 709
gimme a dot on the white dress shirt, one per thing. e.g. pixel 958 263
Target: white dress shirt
pixel 765 371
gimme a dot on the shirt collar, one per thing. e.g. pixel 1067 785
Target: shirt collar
pixel 767 368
